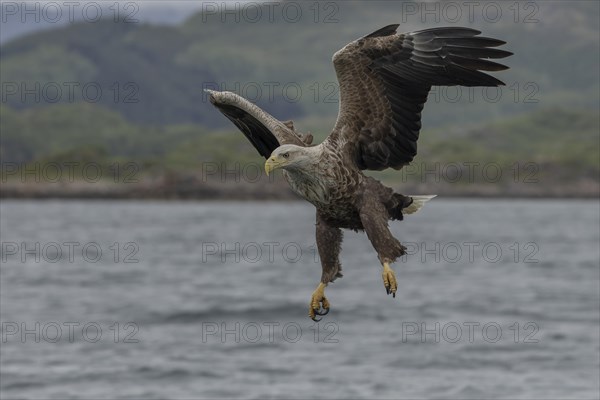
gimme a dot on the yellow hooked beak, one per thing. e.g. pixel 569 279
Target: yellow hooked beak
pixel 273 163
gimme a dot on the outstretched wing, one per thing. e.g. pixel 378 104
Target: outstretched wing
pixel 385 78
pixel 265 132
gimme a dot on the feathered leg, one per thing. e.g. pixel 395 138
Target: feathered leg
pixel 374 218
pixel 329 243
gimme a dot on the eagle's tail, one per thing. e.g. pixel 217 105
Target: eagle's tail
pixel 417 203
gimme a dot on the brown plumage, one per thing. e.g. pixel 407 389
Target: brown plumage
pixel 384 81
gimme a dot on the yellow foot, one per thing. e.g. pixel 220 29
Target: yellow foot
pixel 318 300
pixel 389 280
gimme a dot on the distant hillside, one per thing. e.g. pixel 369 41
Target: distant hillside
pixel 553 147
pixel 109 92
pixel 154 75
pixel 15 24
pixel 546 150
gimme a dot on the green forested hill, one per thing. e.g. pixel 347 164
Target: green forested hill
pixel 152 109
pixel 555 62
pixel 564 140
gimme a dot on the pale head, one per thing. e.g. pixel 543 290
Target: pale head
pixel 291 157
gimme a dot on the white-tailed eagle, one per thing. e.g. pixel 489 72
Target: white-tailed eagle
pixel 384 81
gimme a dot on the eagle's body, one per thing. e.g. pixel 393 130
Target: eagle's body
pixel 330 186
pixel 335 191
pixel 384 79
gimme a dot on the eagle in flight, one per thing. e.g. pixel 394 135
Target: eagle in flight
pixel 384 79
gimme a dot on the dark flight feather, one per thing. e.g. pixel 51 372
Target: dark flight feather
pixel 259 135
pixel 385 31
pixel 399 70
pixel 261 129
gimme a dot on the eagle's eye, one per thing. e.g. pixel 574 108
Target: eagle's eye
pixel 286 155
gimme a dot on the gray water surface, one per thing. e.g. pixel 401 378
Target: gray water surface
pixel 498 299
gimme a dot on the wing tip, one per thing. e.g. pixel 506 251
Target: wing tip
pixel 217 97
pixel 385 31
pixel 211 96
pixel 448 30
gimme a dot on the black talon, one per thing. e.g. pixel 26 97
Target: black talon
pixel 318 312
pixel 394 295
pixel 315 319
pixel 387 289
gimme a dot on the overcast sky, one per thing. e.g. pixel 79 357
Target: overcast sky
pixel 23 17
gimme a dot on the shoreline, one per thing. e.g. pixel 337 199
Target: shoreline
pixel 275 191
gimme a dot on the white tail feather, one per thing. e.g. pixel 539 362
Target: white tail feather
pixel 418 202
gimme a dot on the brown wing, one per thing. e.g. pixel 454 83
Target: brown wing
pixel 384 82
pixel 265 132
